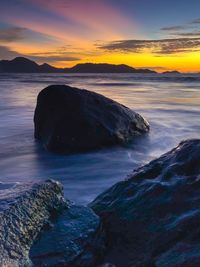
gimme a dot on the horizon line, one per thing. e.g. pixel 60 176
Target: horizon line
pixel 103 63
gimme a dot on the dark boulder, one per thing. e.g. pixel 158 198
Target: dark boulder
pixel 153 217
pixel 73 120
pixel 24 210
pixel 37 224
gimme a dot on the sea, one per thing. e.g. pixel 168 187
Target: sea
pixel 170 102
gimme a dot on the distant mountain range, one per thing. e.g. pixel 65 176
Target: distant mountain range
pixel 24 65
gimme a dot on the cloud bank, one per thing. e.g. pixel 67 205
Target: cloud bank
pixel 7 53
pixel 12 34
pixel 162 46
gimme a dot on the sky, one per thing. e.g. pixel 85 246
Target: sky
pixel 156 34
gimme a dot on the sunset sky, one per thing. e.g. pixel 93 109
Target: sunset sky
pixel 156 34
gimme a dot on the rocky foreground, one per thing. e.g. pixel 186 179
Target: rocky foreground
pixel 37 226
pixel 152 219
pixel 24 209
pixel 69 120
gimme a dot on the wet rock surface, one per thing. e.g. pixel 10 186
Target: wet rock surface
pixel 153 218
pixel 37 226
pixel 24 209
pixel 75 238
pixel 73 120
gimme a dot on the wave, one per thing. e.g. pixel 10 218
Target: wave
pixel 120 79
pixel 116 84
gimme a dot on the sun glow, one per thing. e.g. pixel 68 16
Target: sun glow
pixel 188 62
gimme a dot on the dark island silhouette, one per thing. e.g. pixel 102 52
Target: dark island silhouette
pixel 171 72
pixel 25 65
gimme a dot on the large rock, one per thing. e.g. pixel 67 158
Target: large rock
pixel 36 222
pixel 24 210
pixel 75 238
pixel 69 120
pixel 153 217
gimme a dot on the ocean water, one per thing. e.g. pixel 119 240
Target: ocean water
pixel 170 103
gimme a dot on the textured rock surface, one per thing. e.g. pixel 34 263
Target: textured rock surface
pixel 153 217
pixel 24 209
pixel 69 120
pixel 75 238
pixel 37 223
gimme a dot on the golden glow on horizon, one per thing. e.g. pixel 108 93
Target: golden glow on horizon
pixel 188 62
pixel 184 62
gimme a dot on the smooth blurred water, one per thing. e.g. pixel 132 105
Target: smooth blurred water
pixel 170 103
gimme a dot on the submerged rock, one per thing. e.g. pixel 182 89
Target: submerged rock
pixel 36 222
pixel 24 210
pixel 75 238
pixel 153 217
pixel 72 120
